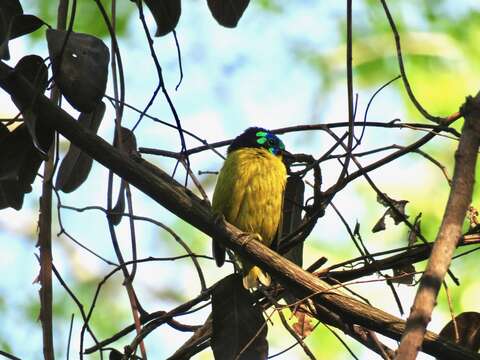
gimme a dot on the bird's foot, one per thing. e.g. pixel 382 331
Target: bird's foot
pixel 245 238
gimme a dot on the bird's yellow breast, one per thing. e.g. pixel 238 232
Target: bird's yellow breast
pixel 249 191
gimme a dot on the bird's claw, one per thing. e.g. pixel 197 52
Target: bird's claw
pixel 245 238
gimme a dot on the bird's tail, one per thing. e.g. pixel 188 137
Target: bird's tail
pixel 254 276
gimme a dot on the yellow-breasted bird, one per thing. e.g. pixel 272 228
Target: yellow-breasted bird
pixel 249 193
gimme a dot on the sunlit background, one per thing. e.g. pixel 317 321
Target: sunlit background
pixel 283 65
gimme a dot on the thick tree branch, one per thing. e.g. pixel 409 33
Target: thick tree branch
pixel 448 234
pixel 162 188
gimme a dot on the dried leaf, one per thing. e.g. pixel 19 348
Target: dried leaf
pixel 396 210
pixel 468 326
pixel 227 13
pixel 76 165
pixel 82 72
pixel 472 216
pixel 304 324
pixel 404 274
pixel 166 14
pixel 380 225
pixel 237 322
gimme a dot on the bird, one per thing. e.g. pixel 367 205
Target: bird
pixel 249 194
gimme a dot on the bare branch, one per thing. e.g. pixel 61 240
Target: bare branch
pixel 448 234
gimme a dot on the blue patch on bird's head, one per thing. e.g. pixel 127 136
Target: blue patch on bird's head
pixel 257 137
pixel 270 141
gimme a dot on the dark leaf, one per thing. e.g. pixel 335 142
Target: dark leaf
pixel 380 225
pixel 404 274
pixel 356 230
pixel 412 235
pixel 119 208
pixel 82 72
pixel 129 141
pixel 237 322
pixel 8 10
pixel 33 69
pixel 76 165
pixel 24 24
pixel 291 219
pixel 227 13
pixel 115 355
pixel 166 14
pixel 20 162
pixel 396 210
pixel 399 205
pixel 292 216
pixel 129 145
pixel 468 325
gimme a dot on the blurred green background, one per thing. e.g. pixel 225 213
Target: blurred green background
pixel 283 65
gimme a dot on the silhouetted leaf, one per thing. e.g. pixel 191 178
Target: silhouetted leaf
pixel 404 274
pixel 227 13
pixel 292 216
pixel 129 145
pixel 380 225
pixel 8 10
pixel 76 165
pixel 396 210
pixel 35 71
pixel 237 322
pixel 14 24
pixel 166 14
pixel 129 141
pixel 115 355
pixel 20 162
pixel 82 72
pixel 468 325
pixel 24 24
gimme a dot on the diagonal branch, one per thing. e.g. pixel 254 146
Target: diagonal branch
pixel 448 234
pixel 182 202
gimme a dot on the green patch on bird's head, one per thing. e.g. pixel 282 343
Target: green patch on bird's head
pixel 258 138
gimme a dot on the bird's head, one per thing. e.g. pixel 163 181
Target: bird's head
pixel 256 137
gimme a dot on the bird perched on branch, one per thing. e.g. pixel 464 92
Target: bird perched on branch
pixel 249 193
